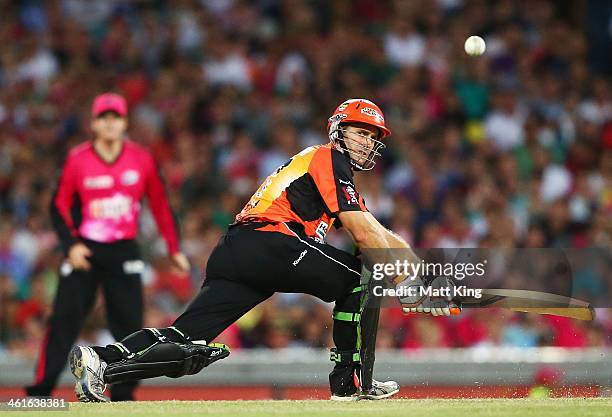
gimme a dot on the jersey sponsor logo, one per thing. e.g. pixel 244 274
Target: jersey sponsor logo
pixel 98 182
pixel 130 177
pixel 350 194
pixel 321 231
pixel 297 261
pixel 373 113
pixel 345 182
pixel 110 208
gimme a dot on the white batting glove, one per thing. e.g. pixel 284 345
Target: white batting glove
pixel 418 302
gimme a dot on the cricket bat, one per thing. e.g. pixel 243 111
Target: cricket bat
pixel 527 301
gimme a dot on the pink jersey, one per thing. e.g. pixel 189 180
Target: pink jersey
pixel 108 196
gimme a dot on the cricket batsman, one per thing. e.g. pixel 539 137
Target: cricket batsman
pixel 276 244
pixel 95 213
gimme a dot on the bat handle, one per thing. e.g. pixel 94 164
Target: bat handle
pixel 455 310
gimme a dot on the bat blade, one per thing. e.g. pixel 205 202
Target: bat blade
pixel 532 302
pixel 579 313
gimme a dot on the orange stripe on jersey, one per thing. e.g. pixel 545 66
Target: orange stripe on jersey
pixel 273 187
pixel 322 172
pixel 362 205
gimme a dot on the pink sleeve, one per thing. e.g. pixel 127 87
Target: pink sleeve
pixel 160 206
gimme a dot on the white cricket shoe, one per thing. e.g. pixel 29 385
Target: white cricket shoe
pixel 354 397
pixel 88 368
pixel 380 390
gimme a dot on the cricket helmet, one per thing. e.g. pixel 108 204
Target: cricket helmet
pixel 357 110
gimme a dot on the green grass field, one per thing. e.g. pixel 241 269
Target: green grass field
pixel 575 407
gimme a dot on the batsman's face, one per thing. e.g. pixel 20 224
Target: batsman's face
pixel 109 126
pixel 360 139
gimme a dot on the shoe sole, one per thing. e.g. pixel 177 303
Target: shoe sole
pixel 81 388
pixel 78 370
pixel 344 399
pixel 378 397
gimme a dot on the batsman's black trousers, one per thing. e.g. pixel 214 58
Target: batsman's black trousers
pixel 249 265
pixel 116 268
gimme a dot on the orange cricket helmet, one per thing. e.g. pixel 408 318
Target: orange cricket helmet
pixel 357 110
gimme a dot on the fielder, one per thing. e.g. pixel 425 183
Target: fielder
pixel 95 212
pixel 277 244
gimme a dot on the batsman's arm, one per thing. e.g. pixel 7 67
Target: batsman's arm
pixel 367 232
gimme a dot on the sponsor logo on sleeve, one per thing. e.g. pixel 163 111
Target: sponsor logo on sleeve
pixel 350 194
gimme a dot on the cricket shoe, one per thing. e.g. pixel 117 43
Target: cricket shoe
pixel 88 369
pixel 380 390
pixel 354 396
pixel 346 398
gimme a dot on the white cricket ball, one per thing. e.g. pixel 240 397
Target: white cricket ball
pixel 475 45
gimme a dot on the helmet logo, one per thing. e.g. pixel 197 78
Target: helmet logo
pixel 334 132
pixel 373 113
pixel 343 106
pixel 337 118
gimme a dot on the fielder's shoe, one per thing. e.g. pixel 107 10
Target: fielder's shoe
pixel 380 390
pixel 88 369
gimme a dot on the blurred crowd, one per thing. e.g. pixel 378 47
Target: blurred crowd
pixel 511 149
